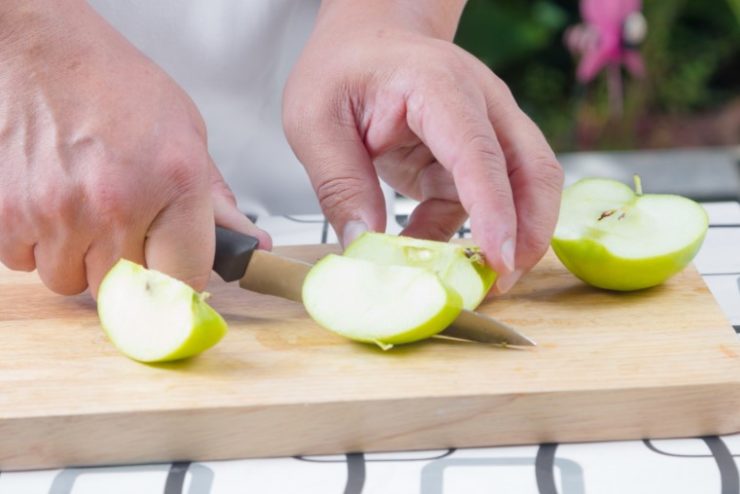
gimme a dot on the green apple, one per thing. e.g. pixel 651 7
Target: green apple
pixel 460 267
pixel 615 238
pixel 152 317
pixel 382 304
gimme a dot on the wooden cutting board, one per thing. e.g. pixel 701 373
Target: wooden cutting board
pixel 660 363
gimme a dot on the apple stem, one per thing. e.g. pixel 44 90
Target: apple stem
pixel 638 184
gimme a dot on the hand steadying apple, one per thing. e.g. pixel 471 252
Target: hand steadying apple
pixel 103 155
pixel 380 91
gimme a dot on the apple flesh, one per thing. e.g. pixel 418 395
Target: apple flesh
pixel 383 304
pixel 152 317
pixel 460 267
pixel 615 238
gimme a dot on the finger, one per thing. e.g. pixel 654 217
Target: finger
pixel 105 252
pixel 340 169
pixel 181 240
pixel 60 264
pixel 435 219
pixel 227 214
pixel 536 180
pixel 435 182
pixel 403 168
pixel 456 129
pixel 17 256
pixel 16 238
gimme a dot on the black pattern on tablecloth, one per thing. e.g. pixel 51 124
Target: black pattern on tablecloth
pixel 544 468
pixel 728 471
pixel 176 478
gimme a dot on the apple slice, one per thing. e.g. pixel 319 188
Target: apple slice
pixel 370 302
pixel 152 317
pixel 614 238
pixel 461 267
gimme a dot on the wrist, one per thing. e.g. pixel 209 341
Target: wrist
pixel 434 18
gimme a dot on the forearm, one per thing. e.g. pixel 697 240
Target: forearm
pixel 436 18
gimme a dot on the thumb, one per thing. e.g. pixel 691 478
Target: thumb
pixel 180 242
pixel 227 214
pixel 341 173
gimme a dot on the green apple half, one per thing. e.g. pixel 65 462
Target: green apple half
pixel 460 267
pixel 615 238
pixel 152 317
pixel 382 304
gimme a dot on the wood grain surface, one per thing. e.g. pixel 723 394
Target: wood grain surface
pixel 663 362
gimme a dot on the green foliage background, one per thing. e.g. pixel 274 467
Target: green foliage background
pixel 692 54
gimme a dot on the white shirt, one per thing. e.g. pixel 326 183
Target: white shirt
pixel 233 58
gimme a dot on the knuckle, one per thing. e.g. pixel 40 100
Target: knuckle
pixel 434 86
pixel 220 188
pixel 183 167
pixel 59 204
pixel 337 192
pixel 501 88
pixel 548 171
pixel 69 207
pixel 481 141
pixel 500 100
pixel 485 145
pixel 109 202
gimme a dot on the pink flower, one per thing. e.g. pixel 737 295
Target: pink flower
pixel 610 30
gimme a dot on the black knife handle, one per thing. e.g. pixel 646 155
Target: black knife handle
pixel 233 253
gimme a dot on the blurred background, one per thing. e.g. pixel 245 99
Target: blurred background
pixel 687 96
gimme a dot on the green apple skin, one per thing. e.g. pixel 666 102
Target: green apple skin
pixel 462 267
pixel 382 304
pixel 152 317
pixel 597 264
pixel 592 263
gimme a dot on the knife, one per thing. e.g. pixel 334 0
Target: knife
pixel 238 258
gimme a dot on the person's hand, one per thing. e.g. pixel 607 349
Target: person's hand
pixel 102 155
pixel 380 91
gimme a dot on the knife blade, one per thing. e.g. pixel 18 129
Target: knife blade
pixel 238 259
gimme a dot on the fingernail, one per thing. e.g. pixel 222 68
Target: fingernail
pixel 352 230
pixel 507 254
pixel 505 282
